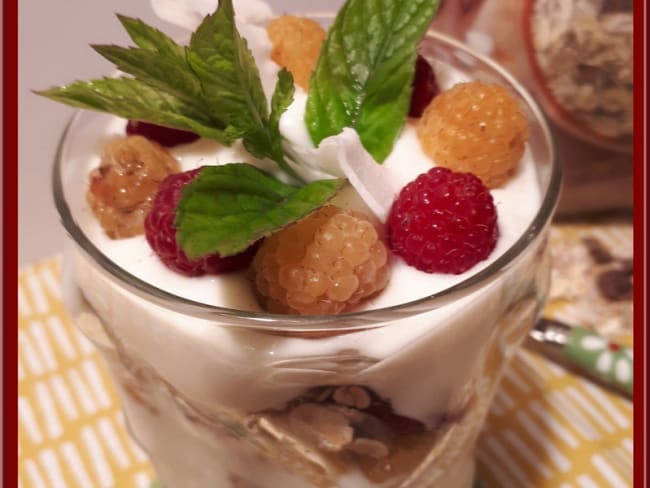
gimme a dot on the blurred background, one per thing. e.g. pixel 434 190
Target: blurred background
pixel 576 59
pixel 574 56
pixel 53 49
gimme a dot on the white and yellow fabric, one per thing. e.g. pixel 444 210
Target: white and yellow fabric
pixel 550 428
pixel 71 430
pixel 547 428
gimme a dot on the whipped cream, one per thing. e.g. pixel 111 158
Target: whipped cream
pixel 517 203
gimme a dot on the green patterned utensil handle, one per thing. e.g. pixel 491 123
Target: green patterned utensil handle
pixel 609 361
pixel 585 351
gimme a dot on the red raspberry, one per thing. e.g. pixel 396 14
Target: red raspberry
pixel 161 233
pixel 443 222
pixel 425 87
pixel 165 136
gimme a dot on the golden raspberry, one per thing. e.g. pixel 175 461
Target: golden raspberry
pixel 477 128
pixel 296 45
pixel 122 188
pixel 324 264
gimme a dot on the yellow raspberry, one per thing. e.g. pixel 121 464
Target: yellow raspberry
pixel 296 45
pixel 325 263
pixel 122 188
pixel 477 128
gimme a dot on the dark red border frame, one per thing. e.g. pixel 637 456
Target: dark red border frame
pixel 10 243
pixel 640 242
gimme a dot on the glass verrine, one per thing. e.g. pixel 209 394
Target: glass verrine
pixel 388 397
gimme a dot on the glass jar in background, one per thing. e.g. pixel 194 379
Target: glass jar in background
pixel 576 58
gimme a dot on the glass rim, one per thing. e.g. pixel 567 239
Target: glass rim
pixel 357 320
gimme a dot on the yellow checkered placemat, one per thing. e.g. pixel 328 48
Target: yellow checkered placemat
pixel 71 431
pixel 547 428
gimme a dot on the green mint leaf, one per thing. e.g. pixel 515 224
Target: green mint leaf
pixel 365 70
pixel 227 208
pixel 159 61
pixel 224 65
pixel 148 37
pixel 282 98
pixel 168 74
pixel 266 141
pixel 231 81
pixel 280 101
pixel 132 99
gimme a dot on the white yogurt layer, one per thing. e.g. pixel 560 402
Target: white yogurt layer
pixel 516 202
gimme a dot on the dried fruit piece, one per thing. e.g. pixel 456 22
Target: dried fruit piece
pixel 122 187
pixel 615 284
pixel 165 136
pixel 161 233
pixel 425 87
pixel 475 127
pixel 296 45
pixel 324 264
pixel 443 222
pixel 597 250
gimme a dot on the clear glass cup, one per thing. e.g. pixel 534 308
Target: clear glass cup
pixel 389 397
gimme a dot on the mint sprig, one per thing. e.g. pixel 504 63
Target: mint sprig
pixel 227 208
pixel 365 70
pixel 211 87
